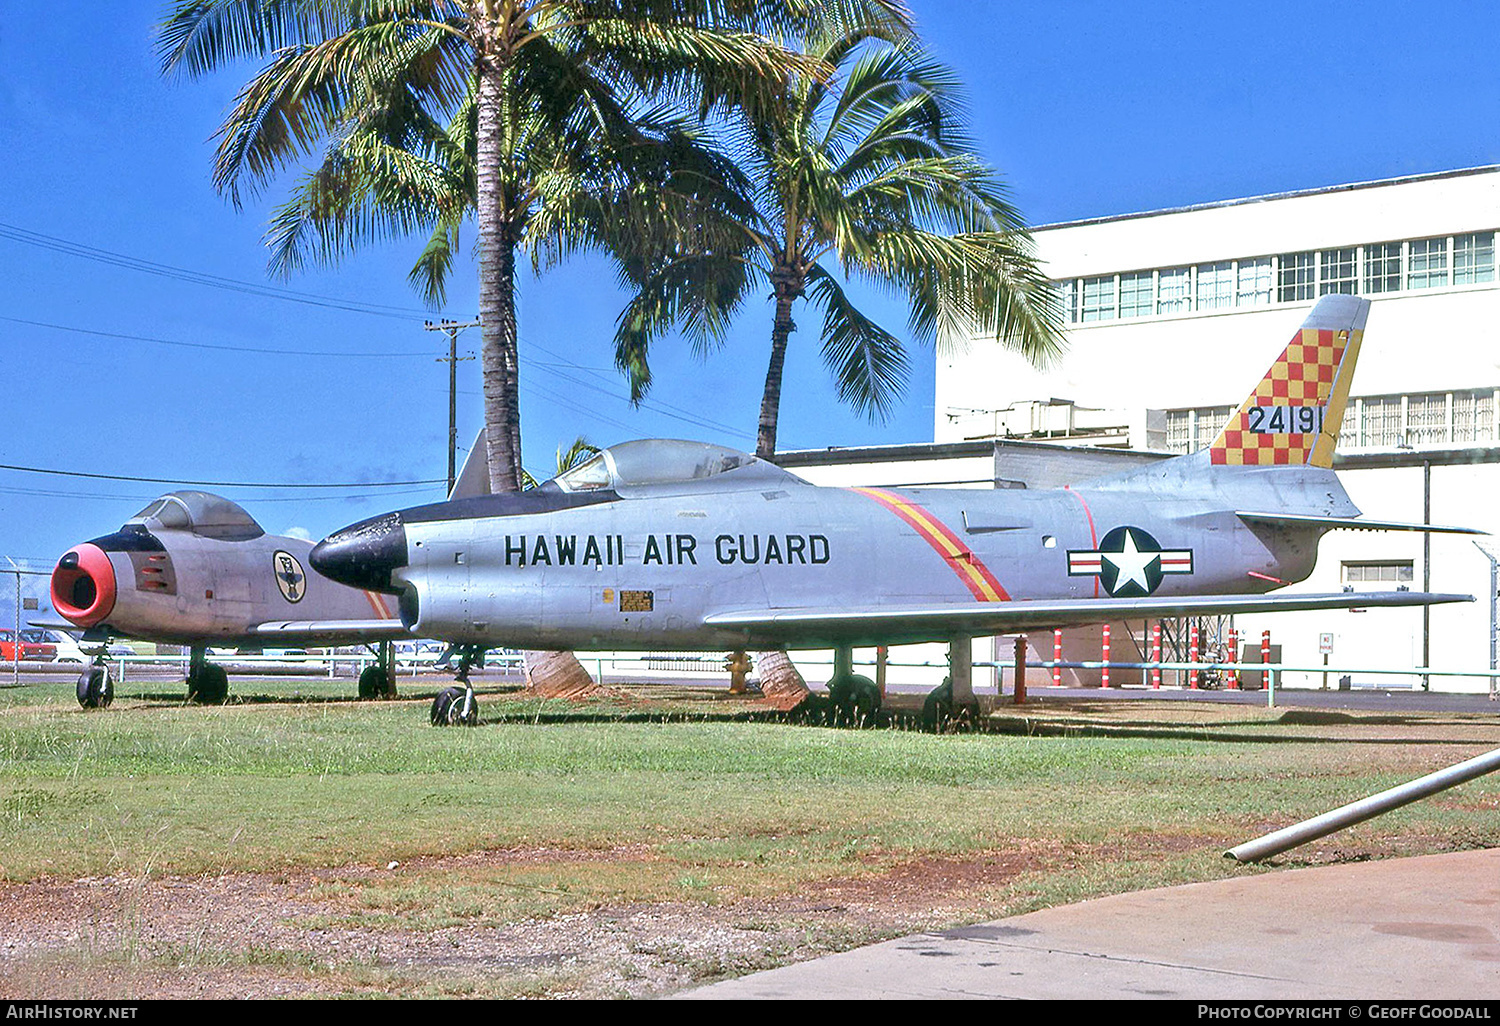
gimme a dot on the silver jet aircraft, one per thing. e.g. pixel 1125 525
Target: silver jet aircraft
pixel 195 569
pixel 682 545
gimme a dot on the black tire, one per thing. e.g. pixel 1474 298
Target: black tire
pixel 96 689
pixel 373 683
pixel 937 709
pixel 854 701
pixel 210 686
pixel 864 701
pixel 448 708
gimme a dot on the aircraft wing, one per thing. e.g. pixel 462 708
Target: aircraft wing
pixel 333 631
pixel 1350 523
pixel 56 623
pixel 903 624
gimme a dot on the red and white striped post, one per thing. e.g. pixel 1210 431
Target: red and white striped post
pixel 1193 657
pixel 1056 657
pixel 1265 657
pixel 1105 679
pixel 1234 657
pixel 1156 654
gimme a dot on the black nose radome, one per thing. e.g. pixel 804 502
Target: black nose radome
pixel 363 555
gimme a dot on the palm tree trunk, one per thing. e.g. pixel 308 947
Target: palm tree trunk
pixel 554 674
pixel 780 681
pixel 770 401
pixel 497 290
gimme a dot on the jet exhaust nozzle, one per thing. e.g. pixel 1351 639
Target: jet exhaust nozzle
pixel 364 555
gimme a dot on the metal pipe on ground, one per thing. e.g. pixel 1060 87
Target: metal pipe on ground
pixel 1368 808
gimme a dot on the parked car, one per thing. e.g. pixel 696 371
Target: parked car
pixel 67 649
pixel 30 650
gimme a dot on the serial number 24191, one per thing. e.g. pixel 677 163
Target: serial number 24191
pixel 1284 420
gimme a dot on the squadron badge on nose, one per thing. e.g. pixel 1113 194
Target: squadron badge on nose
pixel 290 577
pixel 1129 562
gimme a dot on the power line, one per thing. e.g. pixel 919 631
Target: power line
pixel 219 484
pixel 199 345
pixel 104 256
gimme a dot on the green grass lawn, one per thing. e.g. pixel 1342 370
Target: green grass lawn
pixel 155 786
pixel 667 795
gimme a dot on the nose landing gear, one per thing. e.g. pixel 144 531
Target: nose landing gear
pixel 456 706
pixel 96 689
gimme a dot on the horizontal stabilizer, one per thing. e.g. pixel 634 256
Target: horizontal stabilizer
pixel 902 625
pixel 335 632
pixel 1349 523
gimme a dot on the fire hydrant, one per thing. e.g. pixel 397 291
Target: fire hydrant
pixel 738 665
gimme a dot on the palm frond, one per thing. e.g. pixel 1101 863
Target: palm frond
pixel 869 363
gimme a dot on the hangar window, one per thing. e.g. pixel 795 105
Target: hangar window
pixel 1376 268
pixel 1098 299
pixel 1383 267
pixel 1254 288
pixel 1297 277
pixel 1380 422
pixel 1137 294
pixel 1336 271
pixel 1391 571
pixel 1474 258
pixel 1216 286
pixel 1426 419
pixel 1067 296
pixel 1427 266
pixel 1473 416
pixel 1175 291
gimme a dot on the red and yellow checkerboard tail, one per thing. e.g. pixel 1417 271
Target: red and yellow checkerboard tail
pixel 1294 415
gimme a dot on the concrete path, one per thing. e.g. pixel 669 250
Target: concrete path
pixel 1420 928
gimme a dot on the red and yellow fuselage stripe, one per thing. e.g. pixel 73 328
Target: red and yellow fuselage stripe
pixel 969 568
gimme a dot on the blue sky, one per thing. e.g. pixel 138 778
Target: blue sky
pixel 1088 109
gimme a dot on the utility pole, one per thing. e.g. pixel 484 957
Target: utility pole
pixel 1494 594
pixel 452 328
pixel 1426 570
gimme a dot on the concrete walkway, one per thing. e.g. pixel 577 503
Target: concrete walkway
pixel 1420 928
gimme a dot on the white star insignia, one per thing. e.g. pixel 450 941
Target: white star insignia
pixel 1131 564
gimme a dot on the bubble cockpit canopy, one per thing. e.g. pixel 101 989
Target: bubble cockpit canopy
pixel 656 462
pixel 206 515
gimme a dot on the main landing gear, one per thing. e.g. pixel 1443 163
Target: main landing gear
pixel 379 680
pixel 207 683
pixel 853 700
pixel 456 706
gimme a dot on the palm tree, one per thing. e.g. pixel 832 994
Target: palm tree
pixel 580 452
pixel 536 95
pixel 869 169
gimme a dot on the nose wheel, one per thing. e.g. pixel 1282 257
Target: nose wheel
pixel 456 706
pixel 96 689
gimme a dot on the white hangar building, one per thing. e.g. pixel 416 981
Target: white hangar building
pixel 1174 315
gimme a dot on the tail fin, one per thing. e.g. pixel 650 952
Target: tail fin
pixel 474 478
pixel 1294 415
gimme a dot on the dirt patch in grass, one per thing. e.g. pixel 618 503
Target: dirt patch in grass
pixel 306 933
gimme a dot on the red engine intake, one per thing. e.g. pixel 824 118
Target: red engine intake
pixel 83 586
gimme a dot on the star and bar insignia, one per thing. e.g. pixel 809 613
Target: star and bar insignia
pixel 1129 562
